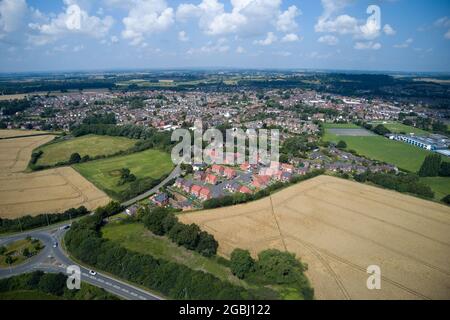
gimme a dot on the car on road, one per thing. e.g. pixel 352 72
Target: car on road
pixel 92 273
pixel 55 244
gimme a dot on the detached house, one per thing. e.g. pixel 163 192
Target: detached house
pixel 211 179
pixel 205 194
pixel 229 173
pixel 161 199
pixel 260 182
pixel 195 190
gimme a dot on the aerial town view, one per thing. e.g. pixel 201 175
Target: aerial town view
pixel 218 150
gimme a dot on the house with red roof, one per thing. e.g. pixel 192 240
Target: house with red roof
pixel 211 179
pixel 245 190
pixel 260 182
pixel 245 166
pixel 217 169
pixel 195 190
pixel 205 194
pixel 230 173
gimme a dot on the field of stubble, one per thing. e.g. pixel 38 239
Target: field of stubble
pixel 339 228
pixel 49 191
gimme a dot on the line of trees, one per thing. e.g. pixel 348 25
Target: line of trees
pixel 407 183
pixel 42 220
pixel 52 284
pixel 161 221
pixel 173 280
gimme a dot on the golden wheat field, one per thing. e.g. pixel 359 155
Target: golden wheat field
pixel 19 133
pixel 340 228
pixel 49 191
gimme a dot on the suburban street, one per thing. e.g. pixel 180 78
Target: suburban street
pixel 54 260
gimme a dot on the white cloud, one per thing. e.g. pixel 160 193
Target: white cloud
pixel 443 22
pixel 146 17
pixel 333 21
pixel 329 40
pixel 283 53
pixel 369 45
pixel 286 20
pixel 290 37
pixel 73 20
pixel 246 17
pixel 270 39
pixel 12 13
pixel 240 50
pixel 221 46
pixel 404 44
pixel 388 30
pixel 182 36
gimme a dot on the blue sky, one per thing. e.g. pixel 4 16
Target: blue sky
pixel 38 35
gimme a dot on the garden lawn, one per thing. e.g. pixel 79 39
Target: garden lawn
pixel 91 145
pixel 105 173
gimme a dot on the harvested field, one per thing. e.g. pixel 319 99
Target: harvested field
pixel 339 228
pixel 15 153
pixel 19 133
pixel 49 191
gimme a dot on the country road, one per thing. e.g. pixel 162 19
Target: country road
pixel 174 174
pixel 56 260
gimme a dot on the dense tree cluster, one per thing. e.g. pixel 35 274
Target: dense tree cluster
pixel 53 284
pixel 10 108
pixel 29 222
pixel 171 279
pixel 126 177
pixel 296 146
pixel 162 222
pixel 272 267
pixel 106 118
pixel 403 183
pixel 381 130
pixel 431 166
pixel 35 157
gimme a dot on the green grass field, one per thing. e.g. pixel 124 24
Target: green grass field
pixel 105 173
pixel 396 127
pixel 340 126
pixel 440 186
pixel 403 155
pixel 90 145
pixel 137 238
pixel 15 250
